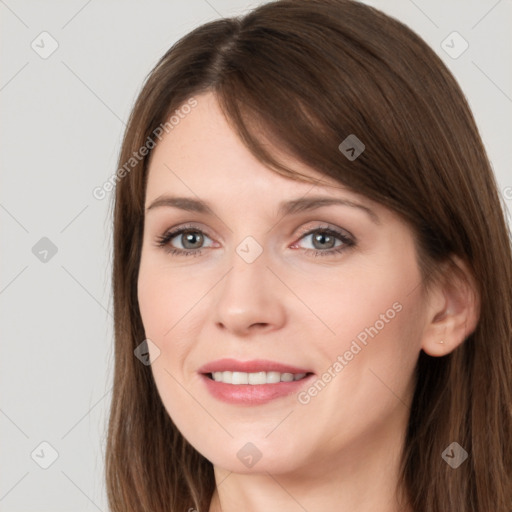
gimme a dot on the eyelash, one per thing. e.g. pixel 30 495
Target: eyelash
pixel 163 241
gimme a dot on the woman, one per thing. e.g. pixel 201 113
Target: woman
pixel 312 277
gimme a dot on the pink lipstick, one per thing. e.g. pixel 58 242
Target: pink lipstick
pixel 252 382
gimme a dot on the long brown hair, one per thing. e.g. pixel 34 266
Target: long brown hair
pixel 302 75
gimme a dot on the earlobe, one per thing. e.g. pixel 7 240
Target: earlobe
pixel 452 311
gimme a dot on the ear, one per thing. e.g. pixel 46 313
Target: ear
pixel 453 310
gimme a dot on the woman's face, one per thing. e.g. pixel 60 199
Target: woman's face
pixel 274 283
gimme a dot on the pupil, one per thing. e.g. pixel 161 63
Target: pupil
pixel 322 237
pixel 189 237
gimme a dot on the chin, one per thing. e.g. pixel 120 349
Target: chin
pixel 243 456
pixel 262 466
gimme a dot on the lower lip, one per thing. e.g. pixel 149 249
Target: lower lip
pixel 253 394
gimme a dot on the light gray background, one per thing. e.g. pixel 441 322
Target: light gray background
pixel 62 122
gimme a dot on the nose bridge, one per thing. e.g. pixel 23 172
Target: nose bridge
pixel 248 267
pixel 249 250
pixel 247 296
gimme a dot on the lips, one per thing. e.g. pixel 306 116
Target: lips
pixel 256 365
pixel 257 391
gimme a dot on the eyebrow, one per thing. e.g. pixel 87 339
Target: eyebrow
pixel 291 207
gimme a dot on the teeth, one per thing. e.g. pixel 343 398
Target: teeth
pixel 255 378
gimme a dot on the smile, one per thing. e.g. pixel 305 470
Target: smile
pixel 256 388
pixel 256 378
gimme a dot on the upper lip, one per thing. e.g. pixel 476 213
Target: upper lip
pixel 253 366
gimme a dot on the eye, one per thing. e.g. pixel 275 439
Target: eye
pixel 324 241
pixel 191 238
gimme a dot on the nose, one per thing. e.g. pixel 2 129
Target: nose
pixel 250 298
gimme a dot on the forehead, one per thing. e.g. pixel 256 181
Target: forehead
pixel 202 155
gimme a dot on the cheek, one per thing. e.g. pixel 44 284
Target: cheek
pixel 372 357
pixel 367 375
pixel 151 302
pixel 165 303
pixel 172 307
pixel 374 325
pixel 166 299
pixel 346 305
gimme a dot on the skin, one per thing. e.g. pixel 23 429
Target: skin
pixel 340 451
